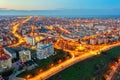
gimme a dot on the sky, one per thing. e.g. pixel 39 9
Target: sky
pixel 59 4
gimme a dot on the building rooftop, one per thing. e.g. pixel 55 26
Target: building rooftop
pixel 24 51
pixel 4 56
pixel 10 50
pixel 45 46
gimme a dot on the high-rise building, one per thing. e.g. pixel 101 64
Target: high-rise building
pixel 30 40
pixel 100 40
pixel 25 55
pixel 40 44
pixel 93 41
pixel 5 61
pixel 10 51
pixel 45 51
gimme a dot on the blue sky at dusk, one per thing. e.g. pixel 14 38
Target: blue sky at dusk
pixel 59 4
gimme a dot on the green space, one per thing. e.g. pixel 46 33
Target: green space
pixel 45 64
pixel 89 69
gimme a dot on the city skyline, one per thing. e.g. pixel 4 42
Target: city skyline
pixel 54 4
pixel 59 39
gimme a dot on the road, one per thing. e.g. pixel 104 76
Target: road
pixel 20 41
pixel 113 71
pixel 55 69
pixel 14 32
pixel 60 67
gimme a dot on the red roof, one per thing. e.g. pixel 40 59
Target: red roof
pixel 4 56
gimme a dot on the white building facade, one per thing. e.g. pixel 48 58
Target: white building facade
pixel 25 55
pixel 30 40
pixel 45 51
pixel 5 62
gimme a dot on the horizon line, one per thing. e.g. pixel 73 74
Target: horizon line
pixel 60 9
